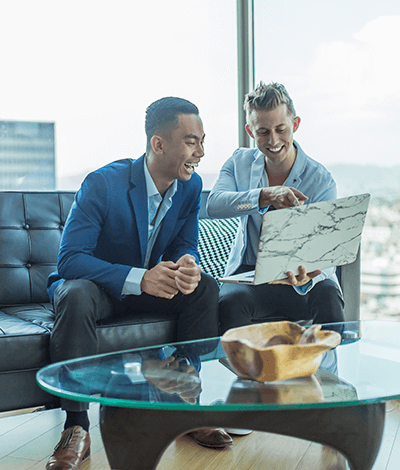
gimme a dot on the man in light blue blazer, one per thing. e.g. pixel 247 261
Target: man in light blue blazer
pixel 275 175
pixel 130 243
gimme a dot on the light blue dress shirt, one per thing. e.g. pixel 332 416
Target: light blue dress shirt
pixel 254 228
pixel 155 203
pixel 253 236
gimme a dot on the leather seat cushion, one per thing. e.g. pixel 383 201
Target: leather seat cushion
pixel 25 334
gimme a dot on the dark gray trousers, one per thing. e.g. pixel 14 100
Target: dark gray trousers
pixel 241 305
pixel 79 304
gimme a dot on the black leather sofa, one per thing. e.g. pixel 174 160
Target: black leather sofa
pixel 31 224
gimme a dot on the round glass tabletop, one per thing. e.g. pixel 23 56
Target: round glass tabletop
pixel 364 368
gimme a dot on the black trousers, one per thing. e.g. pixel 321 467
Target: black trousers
pixel 79 304
pixel 241 305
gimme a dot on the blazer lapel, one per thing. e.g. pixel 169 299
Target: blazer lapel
pixel 138 196
pixel 257 169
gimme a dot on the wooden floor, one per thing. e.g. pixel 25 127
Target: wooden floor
pixel 27 439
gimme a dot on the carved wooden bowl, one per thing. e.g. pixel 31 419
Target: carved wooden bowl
pixel 252 354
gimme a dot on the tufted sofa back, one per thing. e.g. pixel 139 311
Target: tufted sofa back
pixel 31 224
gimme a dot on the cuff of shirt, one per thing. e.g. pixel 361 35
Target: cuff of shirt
pixel 303 290
pixel 266 209
pixel 132 282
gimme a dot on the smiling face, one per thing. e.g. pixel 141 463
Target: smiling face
pixel 178 153
pixel 272 132
pixel 185 147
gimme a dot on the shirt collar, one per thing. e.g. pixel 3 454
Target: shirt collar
pixel 298 166
pixel 151 187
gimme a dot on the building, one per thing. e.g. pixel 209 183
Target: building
pixel 27 155
pixel 380 261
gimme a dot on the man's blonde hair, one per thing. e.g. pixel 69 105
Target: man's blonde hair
pixel 268 97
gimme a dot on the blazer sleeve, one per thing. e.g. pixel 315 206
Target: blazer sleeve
pixel 76 258
pixel 231 195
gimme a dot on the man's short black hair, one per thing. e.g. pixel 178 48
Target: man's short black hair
pixel 162 115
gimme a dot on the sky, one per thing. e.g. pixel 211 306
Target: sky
pixel 342 70
pixel 93 66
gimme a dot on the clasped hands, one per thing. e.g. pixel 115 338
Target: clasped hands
pixel 281 197
pixel 167 278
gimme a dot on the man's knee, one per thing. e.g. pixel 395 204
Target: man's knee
pixel 235 306
pixel 77 297
pixel 235 297
pixel 328 290
pixel 327 299
pixel 209 285
pixel 75 290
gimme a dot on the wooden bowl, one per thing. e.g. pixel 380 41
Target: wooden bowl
pixel 247 351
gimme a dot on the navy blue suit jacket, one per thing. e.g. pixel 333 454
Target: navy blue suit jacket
pixel 106 231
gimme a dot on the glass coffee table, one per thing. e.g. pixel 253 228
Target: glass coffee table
pixel 148 399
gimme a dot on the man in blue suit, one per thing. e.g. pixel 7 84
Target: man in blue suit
pixel 130 243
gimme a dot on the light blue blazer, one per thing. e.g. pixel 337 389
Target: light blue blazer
pixel 236 194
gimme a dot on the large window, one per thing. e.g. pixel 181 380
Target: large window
pixel 92 67
pixel 339 61
pixel 88 69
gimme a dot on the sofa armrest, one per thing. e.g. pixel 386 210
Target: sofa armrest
pixel 349 276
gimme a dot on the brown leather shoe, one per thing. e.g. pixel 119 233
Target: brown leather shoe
pixel 71 451
pixel 216 438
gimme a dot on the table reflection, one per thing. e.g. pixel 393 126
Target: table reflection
pixel 324 385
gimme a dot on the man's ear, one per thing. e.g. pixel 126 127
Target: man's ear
pixel 249 131
pixel 296 123
pixel 157 144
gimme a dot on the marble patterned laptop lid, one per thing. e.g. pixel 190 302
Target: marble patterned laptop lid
pixel 318 235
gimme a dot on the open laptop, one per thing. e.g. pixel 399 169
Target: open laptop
pixel 317 236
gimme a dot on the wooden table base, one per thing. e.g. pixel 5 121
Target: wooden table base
pixel 135 439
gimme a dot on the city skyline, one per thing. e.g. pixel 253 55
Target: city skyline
pixel 92 68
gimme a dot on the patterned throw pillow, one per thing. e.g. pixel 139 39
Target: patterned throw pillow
pixel 215 241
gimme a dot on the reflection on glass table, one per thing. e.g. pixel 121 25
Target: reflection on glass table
pixel 169 390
